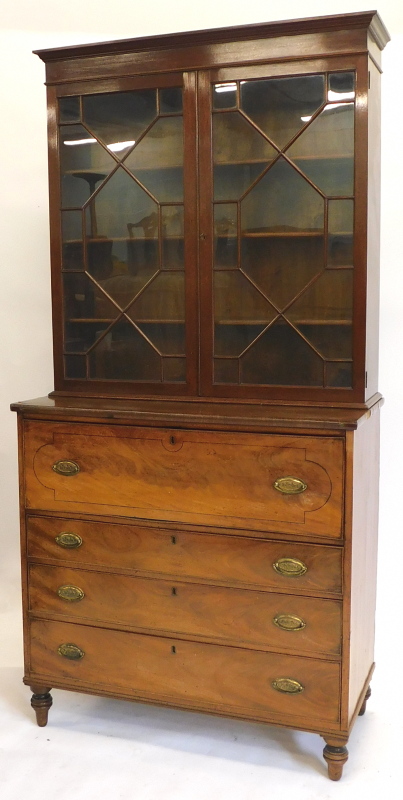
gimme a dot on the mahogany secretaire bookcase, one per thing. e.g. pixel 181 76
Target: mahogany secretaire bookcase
pixel 199 493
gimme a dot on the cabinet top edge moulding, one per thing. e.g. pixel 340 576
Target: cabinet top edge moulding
pixel 214 213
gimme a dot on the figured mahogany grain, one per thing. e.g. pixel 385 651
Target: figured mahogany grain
pixel 245 617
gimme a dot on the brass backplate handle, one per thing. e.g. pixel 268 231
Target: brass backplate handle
pixel 68 540
pixel 290 567
pixel 70 651
pixel 71 593
pixel 287 686
pixel 290 485
pixel 66 468
pixel 289 622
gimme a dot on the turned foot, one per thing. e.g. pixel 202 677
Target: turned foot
pixel 336 756
pixel 364 705
pixel 41 702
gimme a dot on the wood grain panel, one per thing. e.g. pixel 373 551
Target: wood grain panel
pixel 187 476
pixel 234 560
pixel 244 617
pixel 170 669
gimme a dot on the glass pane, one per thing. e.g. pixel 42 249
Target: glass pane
pixel 226 370
pixel 224 95
pixel 122 230
pixel 323 313
pixel 83 162
pixel 233 339
pixel 225 235
pixel 339 374
pixel 280 106
pixel 174 369
pixel 281 357
pixel 172 222
pixel 325 150
pixel 168 338
pixel 124 354
pixel 75 367
pixel 87 312
pixel 171 100
pixel 282 201
pixel 72 240
pixel 69 109
pixel 158 158
pixel 340 238
pixel 119 119
pixel 341 84
pixel 240 155
pixel 236 300
pixel 163 300
pixel 282 265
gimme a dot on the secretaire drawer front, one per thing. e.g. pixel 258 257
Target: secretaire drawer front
pixel 240 681
pixel 235 560
pixel 236 616
pixel 259 482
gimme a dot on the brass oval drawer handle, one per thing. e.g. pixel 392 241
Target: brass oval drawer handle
pixel 290 485
pixel 71 593
pixel 290 567
pixel 68 540
pixel 70 651
pixel 289 622
pixel 66 468
pixel 287 686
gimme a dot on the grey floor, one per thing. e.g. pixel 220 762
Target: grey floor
pixel 95 747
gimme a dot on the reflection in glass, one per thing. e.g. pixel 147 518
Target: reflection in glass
pixel 282 201
pixel 174 370
pixel 172 222
pixel 119 118
pixel 224 95
pixel 171 100
pixel 225 235
pixel 240 155
pixel 339 374
pixel 124 354
pixel 278 105
pixel 324 312
pixel 235 299
pixel 69 109
pixel 340 238
pixel 168 338
pixel 226 370
pixel 281 357
pixel 282 265
pixel 75 367
pixel 233 339
pixel 72 240
pixel 84 163
pixel 87 312
pixel 162 300
pixel 158 158
pixel 341 83
pixel 325 150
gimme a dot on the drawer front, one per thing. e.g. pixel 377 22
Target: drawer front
pixel 234 560
pixel 204 675
pixel 237 616
pixel 258 482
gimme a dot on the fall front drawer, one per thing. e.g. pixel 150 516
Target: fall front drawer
pixel 242 682
pixel 214 558
pixel 259 482
pixel 235 616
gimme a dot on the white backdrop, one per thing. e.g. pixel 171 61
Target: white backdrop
pixel 25 318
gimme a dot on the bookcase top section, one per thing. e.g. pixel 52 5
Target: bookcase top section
pixel 369 20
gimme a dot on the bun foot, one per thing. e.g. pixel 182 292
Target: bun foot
pixel 364 705
pixel 336 756
pixel 41 702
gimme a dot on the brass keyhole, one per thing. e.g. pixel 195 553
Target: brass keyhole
pixel 174 591
pixel 172 439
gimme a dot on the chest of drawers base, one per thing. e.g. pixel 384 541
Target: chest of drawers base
pixel 220 571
